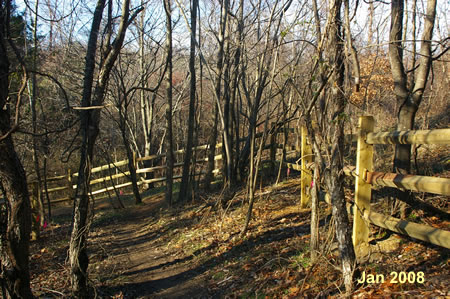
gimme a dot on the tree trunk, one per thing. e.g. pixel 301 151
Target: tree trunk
pixel 15 215
pixel 235 90
pixel 334 178
pixel 148 148
pixel 89 127
pixel 130 155
pixel 16 219
pixel 211 151
pixel 33 97
pixel 408 99
pixel 169 149
pixel 78 257
pixel 184 187
pixel 226 155
pixel 147 106
pixel 250 184
pixel 315 215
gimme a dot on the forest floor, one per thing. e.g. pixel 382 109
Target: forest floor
pixel 194 251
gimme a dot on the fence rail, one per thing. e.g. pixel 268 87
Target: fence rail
pixel 366 178
pixel 69 178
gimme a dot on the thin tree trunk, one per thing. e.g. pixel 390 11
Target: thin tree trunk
pixel 370 26
pixel 226 156
pixel 184 187
pixel 314 243
pixel 147 105
pixel 335 177
pixel 349 46
pixel 211 151
pixel 44 170
pixel 78 257
pixel 49 208
pixel 89 127
pixel 131 157
pixel 250 184
pixel 169 139
pixel 315 236
pixel 34 123
pixel 234 90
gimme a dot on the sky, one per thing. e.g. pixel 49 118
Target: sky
pixel 77 26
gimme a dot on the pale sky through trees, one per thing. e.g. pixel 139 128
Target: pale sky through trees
pixel 76 16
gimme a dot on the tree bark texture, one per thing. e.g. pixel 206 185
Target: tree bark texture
pixel 15 213
pixel 220 68
pixel 408 97
pixel 211 150
pixel 315 215
pixel 78 257
pixel 184 187
pixel 90 126
pixel 15 218
pixel 334 177
pixel 130 155
pixel 169 140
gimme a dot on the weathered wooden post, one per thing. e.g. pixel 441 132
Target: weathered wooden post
pixel 305 179
pixel 364 164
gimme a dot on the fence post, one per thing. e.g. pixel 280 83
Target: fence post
pixel 305 179
pixel 364 163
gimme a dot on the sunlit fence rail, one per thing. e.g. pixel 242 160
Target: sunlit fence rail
pixel 115 176
pixel 366 178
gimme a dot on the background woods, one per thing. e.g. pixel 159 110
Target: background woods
pixel 210 102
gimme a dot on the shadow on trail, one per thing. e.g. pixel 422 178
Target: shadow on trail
pixel 147 288
pixel 152 235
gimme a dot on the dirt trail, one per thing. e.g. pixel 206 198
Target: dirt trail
pixel 194 251
pixel 137 266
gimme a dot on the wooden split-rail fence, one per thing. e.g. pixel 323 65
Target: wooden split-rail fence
pixel 117 177
pixel 365 178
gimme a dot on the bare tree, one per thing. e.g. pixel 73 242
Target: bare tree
pixel 408 97
pixel 184 187
pixel 269 59
pixel 169 86
pixel 90 120
pixel 334 179
pixel 15 213
pixel 123 98
pixel 37 203
pixel 148 66
pixel 327 134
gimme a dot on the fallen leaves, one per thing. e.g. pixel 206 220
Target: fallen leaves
pixel 271 261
